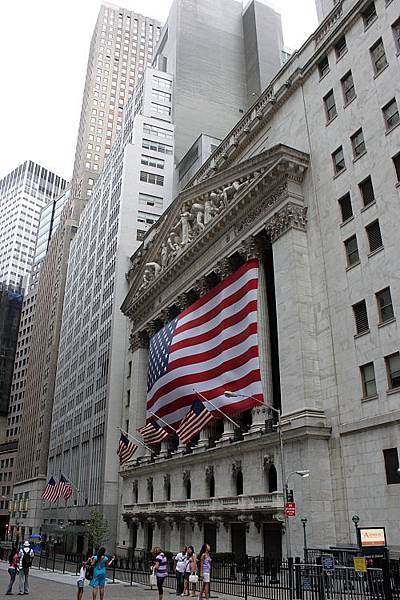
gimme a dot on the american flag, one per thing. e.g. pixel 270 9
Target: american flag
pixel 126 449
pixel 153 433
pixel 196 419
pixel 64 488
pixel 50 492
pixel 212 346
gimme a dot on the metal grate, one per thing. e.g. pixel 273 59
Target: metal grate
pixel 374 236
pixel 361 317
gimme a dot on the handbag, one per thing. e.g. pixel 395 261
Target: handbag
pixel 153 579
pixel 193 578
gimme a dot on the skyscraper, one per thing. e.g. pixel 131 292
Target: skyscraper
pixel 23 194
pixel 121 48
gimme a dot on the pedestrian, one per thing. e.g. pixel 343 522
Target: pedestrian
pixel 190 572
pixel 99 562
pixel 25 558
pixel 12 568
pixel 205 571
pixel 160 569
pixel 81 581
pixel 179 568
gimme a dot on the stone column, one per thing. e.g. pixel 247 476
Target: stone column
pixel 298 357
pixel 229 434
pixel 139 344
pixel 203 442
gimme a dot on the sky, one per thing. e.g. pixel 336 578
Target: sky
pixel 44 49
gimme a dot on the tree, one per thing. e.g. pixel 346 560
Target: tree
pixel 97 529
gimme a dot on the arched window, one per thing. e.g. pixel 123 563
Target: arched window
pixel 168 491
pixel 272 479
pixel 211 487
pixel 188 489
pixel 239 483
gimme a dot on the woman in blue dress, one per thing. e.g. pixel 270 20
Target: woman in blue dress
pixel 99 563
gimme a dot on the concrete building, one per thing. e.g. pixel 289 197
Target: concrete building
pixel 48 222
pixel 23 194
pixel 310 177
pixel 122 46
pixel 129 196
pixel 249 47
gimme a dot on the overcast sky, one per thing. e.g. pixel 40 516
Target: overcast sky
pixel 43 56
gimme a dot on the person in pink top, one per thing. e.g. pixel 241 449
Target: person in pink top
pixel 205 571
pixel 13 560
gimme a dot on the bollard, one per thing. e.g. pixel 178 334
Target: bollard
pixel 54 562
pixel 65 560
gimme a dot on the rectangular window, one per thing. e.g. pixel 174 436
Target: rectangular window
pixel 396 162
pixel 156 146
pixel 391 114
pixel 378 57
pixel 385 306
pixel 352 251
pixel 323 67
pixel 391 459
pixel 340 47
pixel 368 380
pixel 361 317
pixel 393 370
pixel 338 161
pixel 151 178
pixel 150 161
pixel 161 109
pixel 348 88
pixel 367 191
pixel 149 200
pixel 330 106
pixel 369 14
pixel 396 34
pixel 158 131
pixel 374 236
pixel 345 207
pixel 358 144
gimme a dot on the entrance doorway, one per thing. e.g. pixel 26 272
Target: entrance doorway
pixel 238 539
pixel 272 541
pixel 210 536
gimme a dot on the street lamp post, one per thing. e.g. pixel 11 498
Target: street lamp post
pixel 304 523
pixel 356 520
pixel 301 473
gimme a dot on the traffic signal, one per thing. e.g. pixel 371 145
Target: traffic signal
pixel 289 496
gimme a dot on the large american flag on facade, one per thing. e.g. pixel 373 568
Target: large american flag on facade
pixel 126 449
pixel 212 346
pixel 197 418
pixel 50 492
pixel 64 488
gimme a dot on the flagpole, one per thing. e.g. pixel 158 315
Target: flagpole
pixel 216 408
pixel 162 420
pixel 128 435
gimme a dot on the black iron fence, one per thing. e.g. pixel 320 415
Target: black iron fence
pixel 255 577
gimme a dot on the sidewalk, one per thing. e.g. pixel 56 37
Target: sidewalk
pixel 46 585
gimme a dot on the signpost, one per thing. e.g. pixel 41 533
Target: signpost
pixel 290 509
pixel 328 563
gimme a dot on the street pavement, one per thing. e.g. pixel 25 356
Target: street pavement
pixel 46 585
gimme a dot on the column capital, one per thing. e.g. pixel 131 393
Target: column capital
pixel 183 301
pixel 202 286
pixel 223 268
pixel 251 248
pixel 137 340
pixel 291 216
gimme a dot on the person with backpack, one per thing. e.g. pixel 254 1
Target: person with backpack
pixel 12 568
pixel 25 556
pixel 99 562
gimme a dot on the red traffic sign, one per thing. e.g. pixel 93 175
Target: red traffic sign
pixel 290 509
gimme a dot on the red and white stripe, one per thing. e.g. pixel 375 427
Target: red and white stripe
pixel 50 492
pixel 151 435
pixel 214 348
pixel 192 424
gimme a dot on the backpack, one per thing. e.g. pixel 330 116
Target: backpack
pixel 89 572
pixel 26 559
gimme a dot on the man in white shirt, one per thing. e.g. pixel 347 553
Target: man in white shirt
pixel 179 567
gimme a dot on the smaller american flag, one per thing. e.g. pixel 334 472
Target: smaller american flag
pixel 64 488
pixel 153 433
pixel 126 449
pixel 196 419
pixel 50 492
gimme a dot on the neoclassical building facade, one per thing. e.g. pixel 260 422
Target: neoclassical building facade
pixel 307 183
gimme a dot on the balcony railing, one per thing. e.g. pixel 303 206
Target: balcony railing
pixel 272 502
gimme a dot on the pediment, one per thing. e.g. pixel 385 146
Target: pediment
pixel 200 211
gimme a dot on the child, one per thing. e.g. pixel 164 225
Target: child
pixel 81 581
